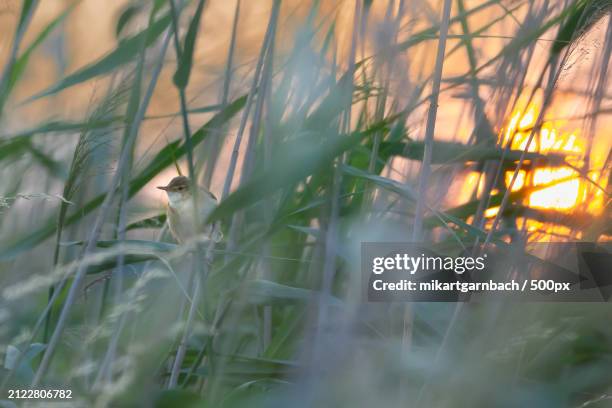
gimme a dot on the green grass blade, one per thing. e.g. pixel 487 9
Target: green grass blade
pixel 22 62
pixel 181 77
pixel 126 16
pixel 125 52
pixel 584 14
pixel 451 152
pixel 400 188
pixel 264 292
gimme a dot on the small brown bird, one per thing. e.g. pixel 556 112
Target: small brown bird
pixel 180 214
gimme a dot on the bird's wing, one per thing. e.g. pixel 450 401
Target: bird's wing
pixel 207 203
pixel 207 194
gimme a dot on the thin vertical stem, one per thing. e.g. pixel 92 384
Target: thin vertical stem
pixel 243 122
pixel 182 98
pixel 417 231
pixel 197 273
pixel 331 235
pixel 182 347
pixel 227 78
pixel 266 79
pixel 214 146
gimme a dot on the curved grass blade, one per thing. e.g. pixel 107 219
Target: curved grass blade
pixel 125 52
pixel 22 62
pixel 126 16
pixel 584 14
pixel 93 124
pixel 157 221
pixel 181 76
pixel 265 292
pixel 54 167
pixel 400 188
pixel 27 11
pixel 451 152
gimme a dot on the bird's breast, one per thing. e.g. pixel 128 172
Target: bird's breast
pixel 182 221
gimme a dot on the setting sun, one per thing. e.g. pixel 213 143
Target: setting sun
pixel 568 189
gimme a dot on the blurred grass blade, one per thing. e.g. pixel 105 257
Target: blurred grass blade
pixel 400 188
pixel 65 127
pixel 181 76
pixel 518 43
pixel 126 16
pixel 134 251
pixel 431 32
pixel 54 167
pixel 315 232
pixel 27 11
pixel 264 292
pixel 22 62
pixel 132 244
pixel 451 152
pixel 157 221
pixel 22 364
pixel 297 160
pixel 584 14
pixel 470 229
pixel 125 52
pixel 92 124
pixel 13 147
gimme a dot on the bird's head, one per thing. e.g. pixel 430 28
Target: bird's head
pixel 178 190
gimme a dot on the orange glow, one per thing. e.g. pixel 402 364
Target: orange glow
pixel 519 182
pixel 491 212
pixel 563 196
pixel 541 231
pixel 569 189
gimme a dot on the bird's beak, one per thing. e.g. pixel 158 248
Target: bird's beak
pixel 165 188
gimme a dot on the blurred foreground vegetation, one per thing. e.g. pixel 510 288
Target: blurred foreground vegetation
pixel 353 122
